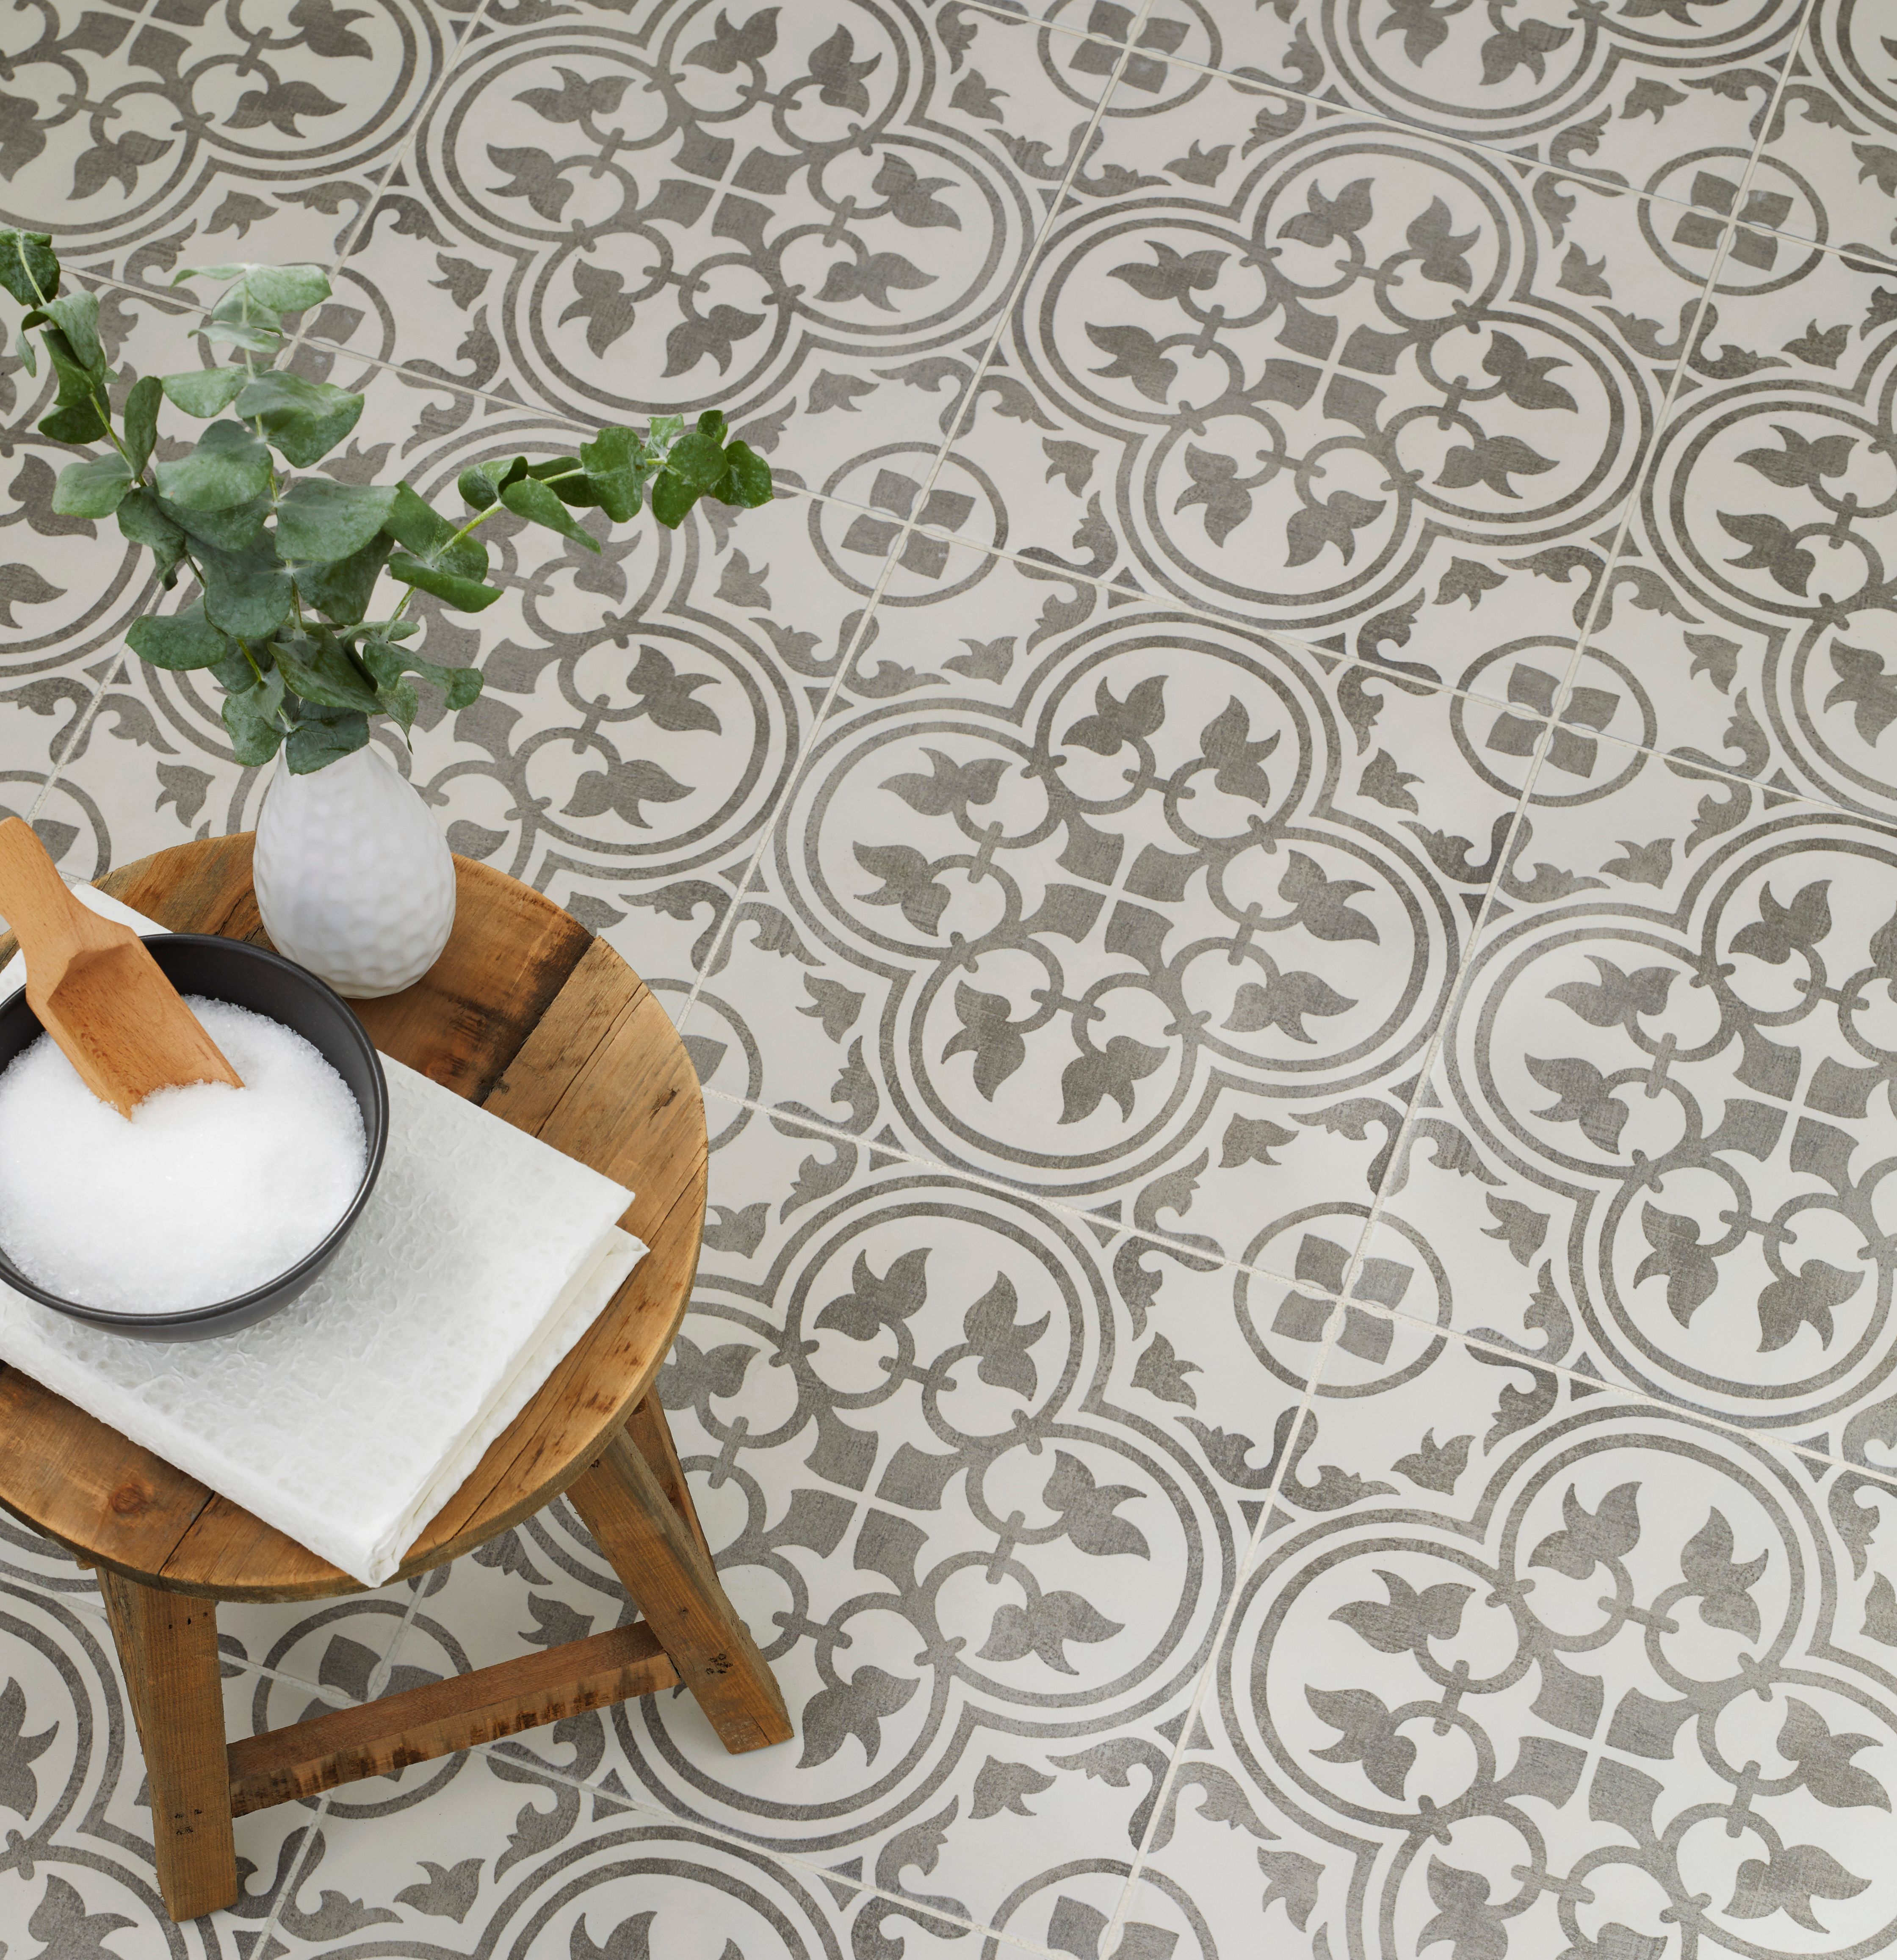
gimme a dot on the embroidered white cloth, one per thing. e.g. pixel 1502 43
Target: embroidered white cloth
pixel 349 1418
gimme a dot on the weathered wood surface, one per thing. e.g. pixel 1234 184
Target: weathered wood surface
pixel 553 1032
pixel 96 988
pixel 167 1646
pixel 671 1581
pixel 378 1738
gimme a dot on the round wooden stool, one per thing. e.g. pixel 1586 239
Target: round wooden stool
pixel 547 1028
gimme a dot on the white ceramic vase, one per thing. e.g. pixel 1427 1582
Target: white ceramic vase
pixel 354 878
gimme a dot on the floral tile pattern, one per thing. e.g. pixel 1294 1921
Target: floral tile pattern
pixel 1279 861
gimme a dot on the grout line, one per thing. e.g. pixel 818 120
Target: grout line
pixel 1164 1793
pixel 725 1835
pixel 1256 80
pixel 767 820
pixel 1562 1369
pixel 1691 346
pixel 898 544
pixel 988 1181
pixel 293 1878
pixel 378 1680
pixel 1398 1164
pixel 1628 1392
pixel 457 47
pixel 1040 568
pixel 963 413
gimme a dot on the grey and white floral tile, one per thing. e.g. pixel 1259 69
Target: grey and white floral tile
pixel 474 1874
pixel 985 1409
pixel 1654 94
pixel 797 204
pixel 1553 1670
pixel 1754 579
pixel 1828 167
pixel 1651 1150
pixel 202 132
pixel 1169 909
pixel 77 1873
pixel 1320 438
pixel 932 1430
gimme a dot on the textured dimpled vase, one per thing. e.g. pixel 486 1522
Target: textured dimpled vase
pixel 354 878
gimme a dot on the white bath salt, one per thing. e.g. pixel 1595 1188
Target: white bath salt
pixel 202 1193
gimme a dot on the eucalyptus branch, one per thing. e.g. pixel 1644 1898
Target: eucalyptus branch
pixel 286 573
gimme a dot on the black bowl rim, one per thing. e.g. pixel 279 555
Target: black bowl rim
pixel 377 1134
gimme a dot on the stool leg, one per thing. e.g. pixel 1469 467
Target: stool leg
pixel 671 1582
pixel 650 1435
pixel 167 1645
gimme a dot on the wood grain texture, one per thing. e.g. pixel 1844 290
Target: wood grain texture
pixel 570 1046
pixel 649 1433
pixel 95 989
pixel 168 1649
pixel 68 1474
pixel 673 1585
pixel 380 1737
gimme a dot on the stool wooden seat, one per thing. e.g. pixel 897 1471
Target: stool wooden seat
pixel 527 1014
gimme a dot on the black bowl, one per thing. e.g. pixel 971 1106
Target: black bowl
pixel 267 983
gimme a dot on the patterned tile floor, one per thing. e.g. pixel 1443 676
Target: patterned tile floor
pixel 1280 861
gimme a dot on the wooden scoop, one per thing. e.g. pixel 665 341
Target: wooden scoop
pixel 96 990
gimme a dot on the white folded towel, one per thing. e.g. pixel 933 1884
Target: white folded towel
pixel 349 1418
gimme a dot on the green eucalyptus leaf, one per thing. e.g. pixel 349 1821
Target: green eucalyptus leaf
pixel 672 497
pixel 94 489
pixel 220 275
pixel 228 467
pixel 698 462
pixel 748 484
pixel 204 392
pixel 578 490
pixel 28 266
pixel 431 538
pixel 22 347
pixel 287 288
pixel 414 526
pixel 317 741
pixel 532 499
pixel 481 483
pixel 81 422
pixel 249 314
pixel 400 703
pixel 341 591
pixel 235 672
pixel 246 593
pixel 179 640
pixel 469 594
pixel 618 469
pixel 141 420
pixel 712 423
pixel 388 629
pixel 76 382
pixel 234 529
pixel 78 415
pixel 304 419
pixel 252 718
pixel 661 432
pixel 318 670
pixel 552 465
pixel 238 333
pixel 319 519
pixel 142 522
pixel 77 317
pixel 388 664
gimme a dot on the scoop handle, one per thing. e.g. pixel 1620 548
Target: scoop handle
pixel 36 903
